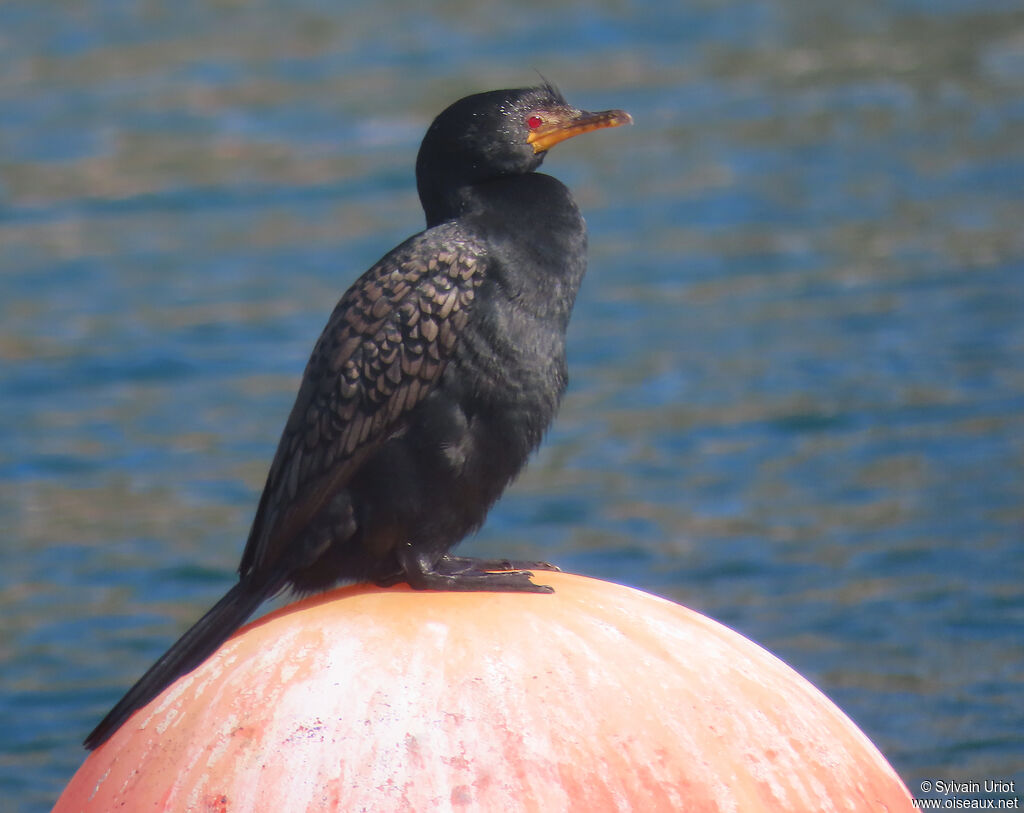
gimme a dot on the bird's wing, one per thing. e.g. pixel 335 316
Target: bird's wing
pixel 383 350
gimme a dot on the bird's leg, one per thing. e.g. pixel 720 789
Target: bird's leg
pixel 459 573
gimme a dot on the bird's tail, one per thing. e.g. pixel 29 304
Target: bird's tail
pixel 194 647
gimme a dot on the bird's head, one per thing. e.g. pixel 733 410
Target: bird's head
pixel 499 133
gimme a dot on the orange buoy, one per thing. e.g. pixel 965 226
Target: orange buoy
pixel 598 697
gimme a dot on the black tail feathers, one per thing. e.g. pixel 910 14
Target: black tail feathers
pixel 194 647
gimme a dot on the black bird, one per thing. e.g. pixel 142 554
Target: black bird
pixel 435 378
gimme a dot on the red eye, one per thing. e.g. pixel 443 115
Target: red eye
pixel 534 122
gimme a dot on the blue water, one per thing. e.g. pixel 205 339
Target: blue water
pixel 797 398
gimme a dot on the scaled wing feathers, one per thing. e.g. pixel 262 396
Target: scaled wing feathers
pixel 383 350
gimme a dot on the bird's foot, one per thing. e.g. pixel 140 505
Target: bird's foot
pixel 495 565
pixel 459 573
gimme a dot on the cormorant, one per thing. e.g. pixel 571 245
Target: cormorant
pixel 435 378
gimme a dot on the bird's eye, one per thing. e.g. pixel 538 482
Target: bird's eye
pixel 534 122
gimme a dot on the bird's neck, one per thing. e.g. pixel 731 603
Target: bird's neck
pixel 536 238
pixel 443 198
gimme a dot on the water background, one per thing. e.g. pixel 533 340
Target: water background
pixel 797 399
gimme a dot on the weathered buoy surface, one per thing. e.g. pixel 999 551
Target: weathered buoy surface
pixel 595 698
